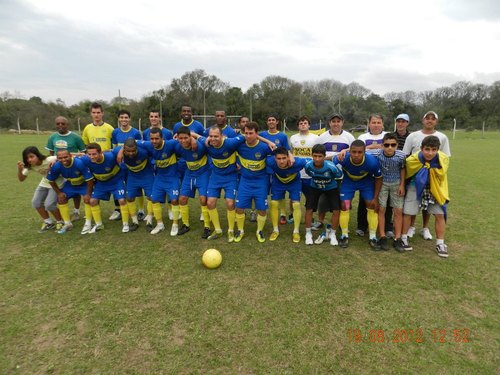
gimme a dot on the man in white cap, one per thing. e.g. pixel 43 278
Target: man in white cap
pixel 412 145
pixel 402 132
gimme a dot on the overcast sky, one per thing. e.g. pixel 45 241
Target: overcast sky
pixel 76 50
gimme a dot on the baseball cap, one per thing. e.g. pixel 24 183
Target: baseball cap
pixel 333 115
pixel 431 113
pixel 403 116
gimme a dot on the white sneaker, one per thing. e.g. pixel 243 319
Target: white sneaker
pixel 309 238
pixel 389 234
pixel 322 237
pixel 317 225
pixel 158 229
pixel 149 219
pixel 174 230
pixel 86 228
pixel 411 232
pixel 170 215
pixel 96 228
pixel 116 215
pixel 65 228
pixel 426 234
pixel 333 239
pixel 75 216
pixel 125 228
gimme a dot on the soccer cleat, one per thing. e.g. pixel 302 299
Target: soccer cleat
pixel 86 229
pixel 411 232
pixel 96 228
pixel 320 238
pixel 75 216
pixel 442 250
pixel 260 236
pixel 406 245
pixel 253 216
pixel 125 228
pixel 133 227
pixel 290 219
pixel 149 227
pixel 296 237
pixel 175 230
pixel 383 243
pixel 214 236
pixel 333 239
pixel 389 234
pixel 317 225
pixel 159 228
pixel 230 236
pixel 399 245
pixel 274 236
pixel 206 233
pixel 344 242
pixel 115 216
pixel 282 220
pixel 59 226
pixel 309 238
pixel 65 228
pixel 141 215
pixel 374 244
pixel 238 236
pixel 426 234
pixel 183 230
pixel 360 232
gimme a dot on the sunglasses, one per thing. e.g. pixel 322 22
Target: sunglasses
pixel 390 145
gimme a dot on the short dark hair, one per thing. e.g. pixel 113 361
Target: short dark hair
pixel 357 143
pixel 123 112
pixel 94 146
pixel 156 131
pixel 253 126
pixel 303 118
pixel 96 105
pixel 241 118
pixel 376 115
pixel 319 149
pixel 281 151
pixel 389 136
pixel 272 115
pixel 184 130
pixel 431 141
pixel 130 142
pixel 32 150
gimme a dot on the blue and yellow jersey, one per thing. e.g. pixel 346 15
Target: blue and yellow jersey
pixel 196 160
pixel 119 136
pixel 279 139
pixel 107 171
pixel 289 174
pixel 76 174
pixel 226 131
pixel 223 158
pixel 368 168
pixel 164 156
pixel 194 126
pixel 325 178
pixel 166 134
pixel 98 134
pixel 252 159
pixel 139 165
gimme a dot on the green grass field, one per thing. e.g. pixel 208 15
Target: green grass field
pixel 137 303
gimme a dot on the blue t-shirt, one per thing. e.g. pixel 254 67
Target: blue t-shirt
pixel 77 173
pixel 139 165
pixel 118 137
pixel 324 178
pixel 166 134
pixel 196 160
pixel 165 159
pixel 279 139
pixel 289 174
pixel 226 130
pixel 368 168
pixel 252 159
pixel 223 158
pixel 194 126
pixel 107 171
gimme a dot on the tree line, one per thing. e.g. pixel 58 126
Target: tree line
pixel 469 103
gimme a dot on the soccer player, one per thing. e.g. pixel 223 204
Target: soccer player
pixel 108 180
pixel 325 179
pixel 412 145
pixel 125 130
pixel 361 173
pixel 195 178
pixel 155 122
pixel 166 181
pixel 64 139
pixel 221 122
pixel 44 199
pixel 254 181
pixel 78 182
pixel 286 178
pixel 429 168
pixel 242 121
pixel 392 165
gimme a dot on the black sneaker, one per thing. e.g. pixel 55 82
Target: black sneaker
pixel 141 215
pixel 374 244
pixel 206 233
pixel 133 227
pixel 344 242
pixel 399 245
pixel 149 227
pixel 442 250
pixel 183 230
pixel 406 245
pixel 382 242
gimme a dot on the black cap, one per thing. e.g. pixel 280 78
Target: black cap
pixel 333 115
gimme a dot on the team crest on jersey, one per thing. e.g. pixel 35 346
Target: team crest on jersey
pixel 225 154
pixel 277 141
pixel 195 155
pixel 327 174
pixel 302 142
pixel 164 155
pixel 107 169
pixel 77 173
pixel 334 147
pixel 139 161
pixel 258 155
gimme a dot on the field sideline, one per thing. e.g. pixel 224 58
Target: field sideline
pixel 136 303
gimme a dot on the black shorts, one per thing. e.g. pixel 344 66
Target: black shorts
pixel 331 196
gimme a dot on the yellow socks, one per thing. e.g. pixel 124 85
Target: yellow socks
pixel 184 214
pixel 274 213
pixel 64 210
pixel 157 212
pixel 372 218
pixel 214 217
pixel 206 216
pixel 231 217
pixel 240 221
pixel 96 214
pixel 261 221
pixel 344 222
pixel 175 213
pixel 297 216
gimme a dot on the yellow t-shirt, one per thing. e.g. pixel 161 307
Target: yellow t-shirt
pixel 98 134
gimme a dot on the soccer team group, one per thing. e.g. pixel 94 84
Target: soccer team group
pixel 397 174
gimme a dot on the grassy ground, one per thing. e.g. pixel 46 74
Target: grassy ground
pixel 136 303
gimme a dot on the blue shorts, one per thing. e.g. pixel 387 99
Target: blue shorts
pixel 135 185
pixel 163 186
pixel 102 191
pixel 279 189
pixel 366 187
pixel 228 183
pixel 249 190
pixel 72 191
pixel 190 184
